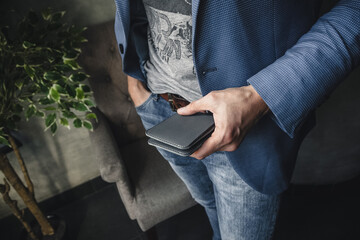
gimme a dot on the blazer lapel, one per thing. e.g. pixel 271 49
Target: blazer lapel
pixel 123 11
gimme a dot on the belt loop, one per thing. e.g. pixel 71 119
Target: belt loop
pixel 155 96
pixel 171 102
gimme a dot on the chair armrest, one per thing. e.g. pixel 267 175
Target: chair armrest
pixel 111 165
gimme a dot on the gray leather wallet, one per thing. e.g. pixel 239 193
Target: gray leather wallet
pixel 182 135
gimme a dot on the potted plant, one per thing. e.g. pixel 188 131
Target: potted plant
pixel 39 76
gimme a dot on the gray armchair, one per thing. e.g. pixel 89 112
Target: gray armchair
pixel 149 189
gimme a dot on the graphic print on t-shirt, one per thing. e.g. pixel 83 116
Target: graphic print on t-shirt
pixel 170 67
pixel 170 32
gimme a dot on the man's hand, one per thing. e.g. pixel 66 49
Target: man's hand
pixel 137 91
pixel 235 111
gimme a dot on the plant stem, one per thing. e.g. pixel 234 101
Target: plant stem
pixel 26 196
pixel 4 190
pixel 29 184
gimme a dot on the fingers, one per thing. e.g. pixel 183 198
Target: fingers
pixel 220 140
pixel 192 108
pixel 210 146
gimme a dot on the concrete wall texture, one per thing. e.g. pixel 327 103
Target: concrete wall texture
pixel 58 163
pixel 66 160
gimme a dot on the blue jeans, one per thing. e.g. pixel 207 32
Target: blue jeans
pixel 235 210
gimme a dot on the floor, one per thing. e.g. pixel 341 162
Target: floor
pixel 93 211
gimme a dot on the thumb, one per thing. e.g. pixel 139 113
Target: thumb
pixel 193 107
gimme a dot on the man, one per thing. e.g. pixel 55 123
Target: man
pixel 261 68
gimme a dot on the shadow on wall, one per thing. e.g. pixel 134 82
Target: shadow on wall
pixel 331 152
pixel 55 163
pixel 51 158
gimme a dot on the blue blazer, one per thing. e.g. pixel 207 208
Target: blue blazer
pixel 293 59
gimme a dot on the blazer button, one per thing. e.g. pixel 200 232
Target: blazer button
pixel 121 47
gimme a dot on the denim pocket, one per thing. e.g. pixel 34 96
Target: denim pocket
pixel 153 111
pixel 144 104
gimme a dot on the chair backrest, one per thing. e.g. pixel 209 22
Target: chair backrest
pixel 100 59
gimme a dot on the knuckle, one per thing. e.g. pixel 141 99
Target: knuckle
pixel 190 106
pixel 212 96
pixel 228 137
pixel 232 147
pixel 197 156
pixel 194 104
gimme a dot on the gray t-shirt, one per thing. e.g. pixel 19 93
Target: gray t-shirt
pixel 170 68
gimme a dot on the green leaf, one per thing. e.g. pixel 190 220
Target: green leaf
pixel 46 14
pixel 59 88
pixel 64 122
pixel 71 55
pixel 80 106
pixel 91 116
pixel 30 98
pixel 46 101
pixel 27 45
pixel 86 88
pixel 78 49
pixel 54 94
pixel 71 90
pixel 57 16
pixel 77 123
pixel 63 68
pixel 30 71
pixel 53 128
pixel 4 141
pixel 88 125
pixel 72 63
pixel 50 108
pixel 50 119
pixel 39 114
pixel 68 114
pixel 82 39
pixel 52 76
pixel 78 77
pixel 79 93
pixel 30 112
pixel 19 83
pixel 89 103
pixel 51 59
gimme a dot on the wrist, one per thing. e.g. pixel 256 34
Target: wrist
pixel 135 86
pixel 133 83
pixel 262 106
pixel 137 91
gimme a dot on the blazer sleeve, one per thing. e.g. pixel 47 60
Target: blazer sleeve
pixel 298 82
